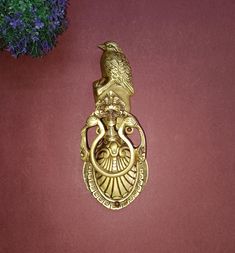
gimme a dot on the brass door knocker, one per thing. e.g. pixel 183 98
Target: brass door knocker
pixel 115 170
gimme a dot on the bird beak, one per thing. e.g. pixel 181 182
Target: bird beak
pixel 101 46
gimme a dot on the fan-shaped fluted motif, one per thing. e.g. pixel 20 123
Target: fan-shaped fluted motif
pixel 114 157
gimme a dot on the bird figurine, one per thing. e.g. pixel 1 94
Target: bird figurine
pixel 115 69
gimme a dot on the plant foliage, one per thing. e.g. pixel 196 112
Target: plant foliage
pixel 31 26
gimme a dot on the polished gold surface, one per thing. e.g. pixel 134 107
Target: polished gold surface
pixel 115 169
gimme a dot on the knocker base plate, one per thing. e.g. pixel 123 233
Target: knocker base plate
pixel 122 190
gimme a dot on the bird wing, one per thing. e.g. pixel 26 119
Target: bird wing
pixel 118 68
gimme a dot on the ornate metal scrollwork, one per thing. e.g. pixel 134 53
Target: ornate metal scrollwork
pixel 115 170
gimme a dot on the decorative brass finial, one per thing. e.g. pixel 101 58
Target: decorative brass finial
pixel 115 170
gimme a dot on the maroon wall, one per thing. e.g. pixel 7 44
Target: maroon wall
pixel 182 55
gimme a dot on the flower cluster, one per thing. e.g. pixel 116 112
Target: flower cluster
pixel 31 26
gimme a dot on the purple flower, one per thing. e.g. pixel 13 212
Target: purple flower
pixel 46 47
pixel 7 19
pixel 12 50
pixel 38 23
pixel 34 37
pixel 16 23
